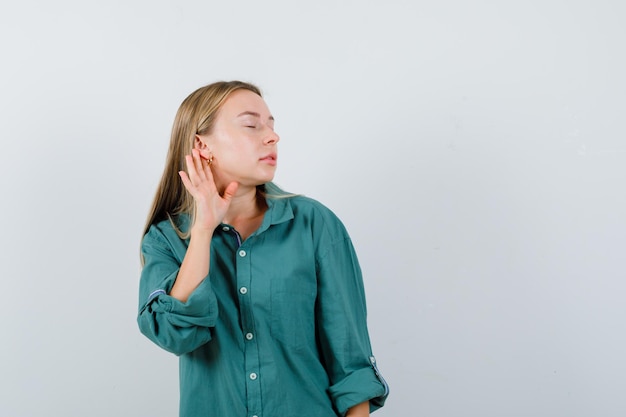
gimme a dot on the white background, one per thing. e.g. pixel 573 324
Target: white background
pixel 474 149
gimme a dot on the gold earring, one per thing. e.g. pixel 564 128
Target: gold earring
pixel 210 160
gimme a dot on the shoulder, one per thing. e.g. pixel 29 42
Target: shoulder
pixel 163 240
pixel 318 216
pixel 311 207
pixel 301 206
pixel 166 231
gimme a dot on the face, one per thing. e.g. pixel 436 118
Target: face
pixel 243 142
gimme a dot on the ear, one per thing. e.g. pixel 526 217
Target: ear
pixel 201 145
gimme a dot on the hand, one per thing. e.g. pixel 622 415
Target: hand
pixel 211 207
pixel 360 410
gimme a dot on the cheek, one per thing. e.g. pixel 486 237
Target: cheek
pixel 234 157
pixel 233 147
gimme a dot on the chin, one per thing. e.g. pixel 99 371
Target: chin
pixel 256 182
pixel 266 178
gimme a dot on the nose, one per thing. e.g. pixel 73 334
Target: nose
pixel 272 138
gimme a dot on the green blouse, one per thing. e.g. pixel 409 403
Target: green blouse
pixel 278 327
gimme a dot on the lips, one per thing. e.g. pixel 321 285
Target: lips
pixel 269 158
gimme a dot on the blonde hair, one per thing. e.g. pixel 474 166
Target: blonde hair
pixel 196 116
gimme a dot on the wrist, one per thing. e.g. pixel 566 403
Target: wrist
pixel 359 410
pixel 202 233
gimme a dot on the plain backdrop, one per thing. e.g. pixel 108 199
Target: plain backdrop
pixel 475 151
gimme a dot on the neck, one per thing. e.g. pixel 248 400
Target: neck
pixel 245 206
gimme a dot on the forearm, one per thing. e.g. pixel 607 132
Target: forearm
pixel 360 410
pixel 195 265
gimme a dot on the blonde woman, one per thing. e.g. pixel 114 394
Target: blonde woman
pixel 258 291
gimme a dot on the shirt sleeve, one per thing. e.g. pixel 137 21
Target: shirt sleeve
pixel 173 325
pixel 343 334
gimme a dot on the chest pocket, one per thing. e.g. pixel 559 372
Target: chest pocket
pixel 293 310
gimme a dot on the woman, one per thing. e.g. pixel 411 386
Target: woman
pixel 258 291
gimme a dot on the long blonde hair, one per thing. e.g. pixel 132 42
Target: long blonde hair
pixel 196 116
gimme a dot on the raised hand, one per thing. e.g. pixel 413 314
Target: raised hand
pixel 211 207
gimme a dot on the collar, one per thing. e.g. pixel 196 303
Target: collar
pixel 279 210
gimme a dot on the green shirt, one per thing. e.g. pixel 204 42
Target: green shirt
pixel 278 327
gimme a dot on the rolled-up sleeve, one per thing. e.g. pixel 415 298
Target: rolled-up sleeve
pixel 173 325
pixel 343 334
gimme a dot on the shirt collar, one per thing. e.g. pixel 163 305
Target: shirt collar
pixel 279 210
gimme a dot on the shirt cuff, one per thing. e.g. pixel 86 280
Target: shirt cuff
pixel 360 386
pixel 199 310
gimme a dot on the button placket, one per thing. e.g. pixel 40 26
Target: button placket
pixel 243 269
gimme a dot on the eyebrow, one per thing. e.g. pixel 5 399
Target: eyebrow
pixel 255 114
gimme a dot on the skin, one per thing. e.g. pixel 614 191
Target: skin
pixel 243 150
pixel 361 410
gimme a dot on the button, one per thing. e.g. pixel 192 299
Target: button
pixel 253 376
pixel 243 290
pixel 249 336
pixel 242 253
pixel 226 228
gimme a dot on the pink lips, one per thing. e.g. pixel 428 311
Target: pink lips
pixel 269 159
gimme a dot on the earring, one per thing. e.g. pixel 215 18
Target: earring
pixel 210 160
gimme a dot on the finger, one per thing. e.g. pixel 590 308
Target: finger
pixel 206 168
pixel 191 166
pixel 186 181
pixel 230 191
pixel 198 164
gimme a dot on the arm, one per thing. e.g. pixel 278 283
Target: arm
pixel 356 387
pixel 210 210
pixel 176 326
pixel 195 266
pixel 178 307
